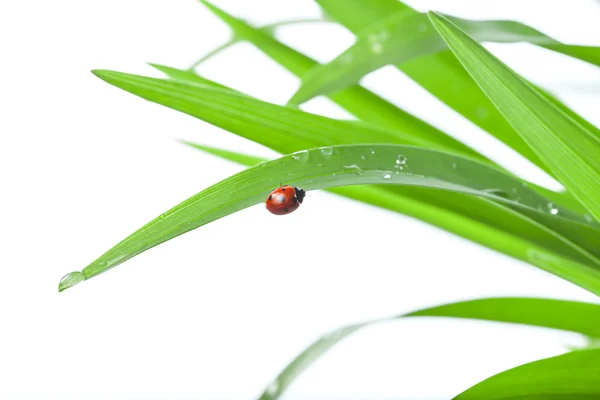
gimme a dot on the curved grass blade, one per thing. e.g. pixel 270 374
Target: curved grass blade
pixel 407 35
pixel 566 147
pixel 357 100
pixel 330 167
pixel 480 220
pixel 267 123
pixel 287 130
pixel 441 74
pixel 571 316
pixel 492 213
pixel 573 375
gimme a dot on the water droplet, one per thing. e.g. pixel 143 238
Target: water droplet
pixel 524 184
pixel 347 58
pixel 454 165
pixel 588 218
pixel 401 160
pixel 355 169
pixel 386 175
pixel 376 47
pixel 422 27
pixel 319 165
pixel 300 156
pixel 162 216
pixel 372 152
pixel 553 210
pixel 363 157
pixel 71 279
pixel 326 151
pixel 289 174
pixel 273 388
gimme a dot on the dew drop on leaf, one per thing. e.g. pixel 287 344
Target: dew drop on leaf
pixel 588 217
pixel 71 279
pixel 386 175
pixel 300 156
pixel 326 151
pixel 553 210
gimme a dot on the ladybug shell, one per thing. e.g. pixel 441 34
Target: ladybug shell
pixel 284 200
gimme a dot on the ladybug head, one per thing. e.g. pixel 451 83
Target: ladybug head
pixel 300 193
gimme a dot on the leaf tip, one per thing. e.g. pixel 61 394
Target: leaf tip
pixel 71 279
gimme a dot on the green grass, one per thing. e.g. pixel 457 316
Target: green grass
pixel 396 161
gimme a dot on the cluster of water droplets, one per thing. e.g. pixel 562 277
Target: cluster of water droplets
pixel 377 40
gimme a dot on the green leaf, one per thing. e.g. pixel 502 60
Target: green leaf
pixel 568 149
pixel 407 35
pixel 286 130
pixel 441 74
pixel 357 100
pixel 330 167
pixel 482 221
pixel 569 376
pixel 586 236
pixel 571 316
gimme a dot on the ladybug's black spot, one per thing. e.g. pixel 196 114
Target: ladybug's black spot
pixel 282 189
pixel 270 197
pixel 287 210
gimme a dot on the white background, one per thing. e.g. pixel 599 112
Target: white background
pixel 219 311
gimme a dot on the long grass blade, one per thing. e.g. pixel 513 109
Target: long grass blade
pixel 441 74
pixel 483 221
pixel 571 316
pixel 287 130
pixel 357 100
pixel 323 168
pixel 407 35
pixel 566 147
pixel 569 376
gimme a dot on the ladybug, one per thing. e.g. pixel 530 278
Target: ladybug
pixel 284 199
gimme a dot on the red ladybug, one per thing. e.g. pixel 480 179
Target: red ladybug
pixel 284 199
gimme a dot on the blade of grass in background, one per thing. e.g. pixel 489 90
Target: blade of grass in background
pixel 566 147
pixel 440 74
pixel 323 168
pixel 360 102
pixel 404 36
pixel 569 376
pixel 357 100
pixel 571 316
